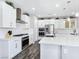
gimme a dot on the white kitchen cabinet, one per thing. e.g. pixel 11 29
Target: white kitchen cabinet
pixel 42 23
pixel 59 24
pixel 70 52
pixel 7 15
pixel 48 51
pixel 9 49
pixel 3 50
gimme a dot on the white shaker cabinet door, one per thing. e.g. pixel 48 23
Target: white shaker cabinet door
pixel 7 16
pixel 59 24
pixel 11 49
pixel 3 49
pixel 69 52
pixel 14 47
pixel 48 51
pixel 13 18
pixel 18 45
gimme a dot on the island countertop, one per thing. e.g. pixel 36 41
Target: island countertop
pixel 67 40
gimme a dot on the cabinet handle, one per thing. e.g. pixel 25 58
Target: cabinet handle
pixel 16 45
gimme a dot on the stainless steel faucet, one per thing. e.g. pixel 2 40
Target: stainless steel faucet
pixel 74 32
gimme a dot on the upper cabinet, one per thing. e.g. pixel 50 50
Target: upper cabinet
pixel 42 23
pixel 7 16
pixel 59 24
pixel 70 23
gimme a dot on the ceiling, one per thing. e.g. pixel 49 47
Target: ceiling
pixel 49 8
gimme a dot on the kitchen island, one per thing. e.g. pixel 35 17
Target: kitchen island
pixel 60 47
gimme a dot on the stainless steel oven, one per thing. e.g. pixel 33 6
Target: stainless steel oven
pixel 25 41
pixel 41 32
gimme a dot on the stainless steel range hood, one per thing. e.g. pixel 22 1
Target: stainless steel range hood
pixel 21 21
pixel 18 19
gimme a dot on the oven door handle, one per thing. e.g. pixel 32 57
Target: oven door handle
pixel 25 39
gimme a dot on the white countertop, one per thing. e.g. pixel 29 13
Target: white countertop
pixel 68 40
pixel 9 39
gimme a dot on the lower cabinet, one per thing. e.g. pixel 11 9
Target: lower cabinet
pixel 15 46
pixel 70 52
pixel 48 51
pixel 9 49
pixel 31 52
pixel 3 50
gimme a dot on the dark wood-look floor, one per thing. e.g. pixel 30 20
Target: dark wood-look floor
pixel 31 52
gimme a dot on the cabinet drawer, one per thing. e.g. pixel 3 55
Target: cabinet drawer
pixel 18 47
pixel 18 44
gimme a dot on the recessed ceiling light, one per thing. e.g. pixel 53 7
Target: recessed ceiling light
pixel 77 14
pixel 68 19
pixel 57 5
pixel 33 8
